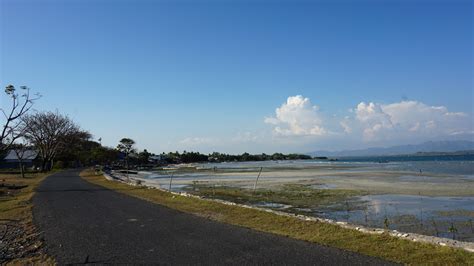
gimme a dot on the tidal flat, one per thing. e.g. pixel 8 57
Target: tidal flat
pixel 407 196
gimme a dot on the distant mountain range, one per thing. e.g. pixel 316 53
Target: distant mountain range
pixel 426 147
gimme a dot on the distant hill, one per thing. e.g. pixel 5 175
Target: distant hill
pixel 426 147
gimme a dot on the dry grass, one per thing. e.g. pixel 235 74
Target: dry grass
pixel 15 203
pixel 16 207
pixel 383 246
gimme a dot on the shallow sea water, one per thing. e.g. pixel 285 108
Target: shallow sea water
pixel 443 216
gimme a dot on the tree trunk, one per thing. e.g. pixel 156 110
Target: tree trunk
pixel 126 162
pixel 43 165
pixel 22 169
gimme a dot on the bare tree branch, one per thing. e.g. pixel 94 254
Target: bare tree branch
pixel 21 105
pixel 50 133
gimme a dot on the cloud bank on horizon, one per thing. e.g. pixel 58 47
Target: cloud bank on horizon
pixel 299 125
pixel 369 122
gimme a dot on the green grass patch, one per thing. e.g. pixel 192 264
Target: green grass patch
pixel 298 196
pixel 465 213
pixel 383 246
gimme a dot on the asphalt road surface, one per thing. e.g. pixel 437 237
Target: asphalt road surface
pixel 86 223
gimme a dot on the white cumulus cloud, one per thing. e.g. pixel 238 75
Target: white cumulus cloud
pixel 297 117
pixel 376 123
pixel 407 119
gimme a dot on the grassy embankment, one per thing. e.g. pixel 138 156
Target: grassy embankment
pixel 16 216
pixel 383 246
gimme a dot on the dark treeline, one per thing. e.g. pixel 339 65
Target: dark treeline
pixel 192 157
pixel 91 153
pixel 86 152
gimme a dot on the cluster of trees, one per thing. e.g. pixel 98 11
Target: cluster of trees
pixel 185 157
pixel 191 157
pixel 55 137
pixel 85 152
pixel 220 157
pixel 52 135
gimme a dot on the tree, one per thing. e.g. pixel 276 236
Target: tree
pixel 23 150
pixel 126 146
pixel 144 156
pixel 79 151
pixel 21 104
pixel 104 155
pixel 51 133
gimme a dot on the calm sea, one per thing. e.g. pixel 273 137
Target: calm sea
pixel 442 164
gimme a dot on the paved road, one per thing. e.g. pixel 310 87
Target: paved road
pixel 82 222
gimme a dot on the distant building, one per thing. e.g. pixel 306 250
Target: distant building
pixel 12 160
pixel 158 159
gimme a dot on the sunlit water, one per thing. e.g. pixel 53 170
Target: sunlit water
pixel 419 214
pixel 441 216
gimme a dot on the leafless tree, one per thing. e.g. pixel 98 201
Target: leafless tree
pixel 22 151
pixel 50 133
pixel 21 103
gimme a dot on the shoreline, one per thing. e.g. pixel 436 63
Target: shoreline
pixel 372 182
pixel 468 246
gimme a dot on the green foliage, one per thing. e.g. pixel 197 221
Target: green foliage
pixel 190 157
pixel 126 145
pixel 143 156
pixel 58 165
pixel 104 155
pixel 453 230
pixel 78 153
pixel 85 152
pixel 298 196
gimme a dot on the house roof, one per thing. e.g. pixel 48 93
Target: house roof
pixel 27 155
pixel 157 157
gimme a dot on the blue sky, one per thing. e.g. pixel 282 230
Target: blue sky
pixel 210 75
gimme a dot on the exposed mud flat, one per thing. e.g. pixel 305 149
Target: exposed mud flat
pixel 390 196
pixel 373 181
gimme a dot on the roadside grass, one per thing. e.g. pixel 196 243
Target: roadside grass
pixel 14 202
pixel 382 246
pixel 16 207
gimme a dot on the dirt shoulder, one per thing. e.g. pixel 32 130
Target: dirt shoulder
pixel 20 242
